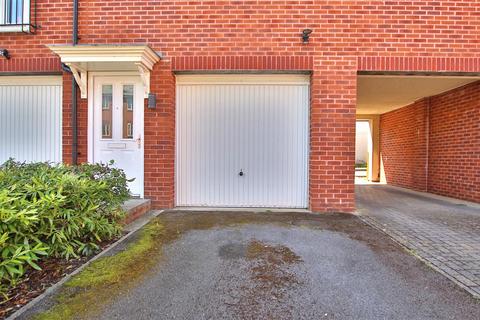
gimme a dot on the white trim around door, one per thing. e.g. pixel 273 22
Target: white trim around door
pixel 116 124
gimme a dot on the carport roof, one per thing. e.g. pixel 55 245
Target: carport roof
pixel 377 94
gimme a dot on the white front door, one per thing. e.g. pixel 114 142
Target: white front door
pixel 118 126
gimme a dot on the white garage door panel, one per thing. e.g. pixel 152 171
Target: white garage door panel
pixel 258 126
pixel 30 118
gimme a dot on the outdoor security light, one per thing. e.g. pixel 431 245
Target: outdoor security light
pixel 4 53
pixel 306 35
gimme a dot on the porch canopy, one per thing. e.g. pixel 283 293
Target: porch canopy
pixel 84 58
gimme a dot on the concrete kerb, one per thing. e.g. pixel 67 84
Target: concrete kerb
pixel 130 228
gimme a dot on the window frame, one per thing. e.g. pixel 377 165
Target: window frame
pixel 25 24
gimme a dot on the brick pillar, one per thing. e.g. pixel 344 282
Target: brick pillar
pixel 67 118
pixel 332 135
pixel 67 128
pixel 160 139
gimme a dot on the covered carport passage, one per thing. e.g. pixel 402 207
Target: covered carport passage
pixel 423 164
pixel 424 131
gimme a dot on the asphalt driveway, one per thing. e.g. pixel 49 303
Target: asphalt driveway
pixel 239 265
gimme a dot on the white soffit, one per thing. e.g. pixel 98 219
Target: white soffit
pixel 381 94
pixel 85 58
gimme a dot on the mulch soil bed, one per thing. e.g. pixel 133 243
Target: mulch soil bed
pixel 36 282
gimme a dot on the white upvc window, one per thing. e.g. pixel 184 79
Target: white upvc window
pixel 14 15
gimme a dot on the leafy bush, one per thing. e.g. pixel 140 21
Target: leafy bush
pixel 55 211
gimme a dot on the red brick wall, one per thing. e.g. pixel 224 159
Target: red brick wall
pixel 441 135
pixel 403 145
pixel 359 27
pixel 332 135
pixel 263 35
pixel 67 118
pixel 160 139
pixel 82 123
pixel 454 145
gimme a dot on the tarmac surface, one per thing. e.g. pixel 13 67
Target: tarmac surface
pixel 244 265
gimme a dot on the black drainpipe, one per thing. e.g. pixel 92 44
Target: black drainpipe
pixel 74 89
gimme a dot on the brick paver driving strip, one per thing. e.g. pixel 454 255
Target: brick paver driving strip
pixel 442 233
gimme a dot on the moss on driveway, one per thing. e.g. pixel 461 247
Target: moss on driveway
pixel 106 278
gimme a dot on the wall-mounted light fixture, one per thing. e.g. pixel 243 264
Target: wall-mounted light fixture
pixel 152 101
pixel 4 53
pixel 306 35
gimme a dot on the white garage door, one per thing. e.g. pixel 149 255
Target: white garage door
pixel 30 118
pixel 242 140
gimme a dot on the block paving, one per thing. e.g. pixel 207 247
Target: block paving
pixel 444 234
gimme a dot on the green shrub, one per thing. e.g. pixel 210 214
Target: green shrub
pixel 55 211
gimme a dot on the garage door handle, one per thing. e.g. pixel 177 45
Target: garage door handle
pixel 241 173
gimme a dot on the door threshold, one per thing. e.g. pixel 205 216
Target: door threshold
pixel 244 209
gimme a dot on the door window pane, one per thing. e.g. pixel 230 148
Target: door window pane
pixel 128 111
pixel 107 99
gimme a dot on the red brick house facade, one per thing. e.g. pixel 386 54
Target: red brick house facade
pixel 266 37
